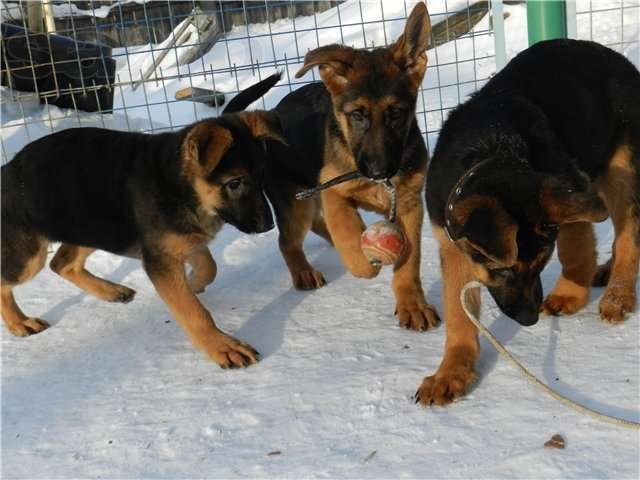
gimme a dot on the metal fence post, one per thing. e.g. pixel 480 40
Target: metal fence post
pixel 572 19
pixel 546 19
pixel 497 19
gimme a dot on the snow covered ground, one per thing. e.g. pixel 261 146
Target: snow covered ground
pixel 117 391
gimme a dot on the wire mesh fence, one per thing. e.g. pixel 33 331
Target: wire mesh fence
pixel 160 65
pixel 623 17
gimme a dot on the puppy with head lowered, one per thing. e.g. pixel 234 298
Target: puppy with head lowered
pixel 159 197
pixel 361 117
pixel 548 146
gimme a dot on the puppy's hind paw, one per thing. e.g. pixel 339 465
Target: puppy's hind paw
pixel 418 316
pixel 563 304
pixel 308 280
pixel 123 295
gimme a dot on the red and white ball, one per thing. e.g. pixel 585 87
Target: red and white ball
pixel 383 243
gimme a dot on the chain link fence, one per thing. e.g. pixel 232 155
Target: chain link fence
pixel 160 65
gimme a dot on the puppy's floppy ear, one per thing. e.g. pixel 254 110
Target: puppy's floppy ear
pixel 264 124
pixel 485 227
pixel 562 204
pixel 204 146
pixel 334 62
pixel 409 50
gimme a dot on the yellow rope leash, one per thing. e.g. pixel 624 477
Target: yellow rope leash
pixel 530 376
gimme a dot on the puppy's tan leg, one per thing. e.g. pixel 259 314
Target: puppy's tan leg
pixel 618 188
pixel 411 307
pixel 204 269
pixel 68 262
pixel 319 227
pixel 15 320
pixel 455 373
pixel 168 277
pixel 345 227
pixel 620 294
pixel 577 253
pixel 297 221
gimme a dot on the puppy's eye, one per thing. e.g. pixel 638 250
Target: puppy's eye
pixel 357 116
pixel 234 184
pixel 394 113
pixel 501 272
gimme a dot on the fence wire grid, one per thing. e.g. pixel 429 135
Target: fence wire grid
pixel 160 65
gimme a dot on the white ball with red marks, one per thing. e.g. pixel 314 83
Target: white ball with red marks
pixel 383 243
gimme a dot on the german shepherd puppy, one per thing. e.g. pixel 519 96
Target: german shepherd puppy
pixel 362 116
pixel 160 198
pixel 545 148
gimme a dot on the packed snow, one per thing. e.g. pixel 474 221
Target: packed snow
pixel 117 391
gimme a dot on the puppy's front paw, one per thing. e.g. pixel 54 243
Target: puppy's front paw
pixel 362 268
pixel 563 304
pixel 228 352
pixel 30 326
pixel 445 386
pixel 616 303
pixel 308 280
pixel 415 314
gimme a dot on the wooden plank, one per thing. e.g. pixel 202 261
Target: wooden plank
pixel 458 24
pixel 199 43
pixel 201 95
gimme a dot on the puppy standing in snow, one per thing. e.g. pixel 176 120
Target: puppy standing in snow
pixel 549 145
pixel 160 198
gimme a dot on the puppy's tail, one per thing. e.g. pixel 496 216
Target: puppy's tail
pixel 251 94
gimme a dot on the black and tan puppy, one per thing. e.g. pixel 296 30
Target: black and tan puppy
pixel 160 198
pixel 362 116
pixel 548 146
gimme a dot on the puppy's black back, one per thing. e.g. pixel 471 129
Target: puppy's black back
pixel 96 209
pixel 303 114
pixel 588 92
pixel 559 104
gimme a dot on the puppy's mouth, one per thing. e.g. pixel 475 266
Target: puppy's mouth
pixel 376 174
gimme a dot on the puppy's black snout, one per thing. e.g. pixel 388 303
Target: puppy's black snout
pixel 375 167
pixel 518 303
pixel 527 318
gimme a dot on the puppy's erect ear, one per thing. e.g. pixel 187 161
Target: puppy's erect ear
pixel 204 146
pixel 562 204
pixel 409 50
pixel 264 124
pixel 485 227
pixel 334 62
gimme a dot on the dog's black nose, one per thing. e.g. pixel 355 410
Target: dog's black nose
pixel 376 175
pixel 375 167
pixel 526 319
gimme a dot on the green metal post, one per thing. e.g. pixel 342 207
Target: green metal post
pixel 546 19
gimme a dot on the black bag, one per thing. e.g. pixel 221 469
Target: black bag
pixel 27 66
